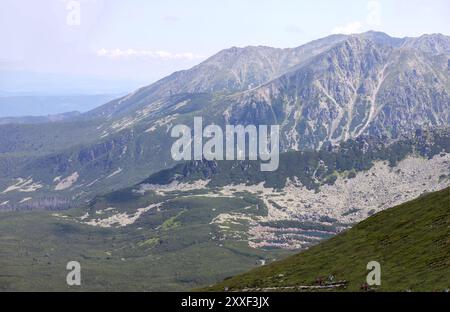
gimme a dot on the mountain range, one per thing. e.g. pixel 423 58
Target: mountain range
pixel 321 93
pixel 364 123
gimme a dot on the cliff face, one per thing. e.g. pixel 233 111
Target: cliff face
pixel 358 87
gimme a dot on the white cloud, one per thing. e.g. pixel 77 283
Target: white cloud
pixel 350 28
pixel 132 53
pixel 374 16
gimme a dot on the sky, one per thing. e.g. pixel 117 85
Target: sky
pixel 124 44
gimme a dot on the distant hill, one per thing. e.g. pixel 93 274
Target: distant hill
pixel 23 106
pixel 410 241
pixel 39 119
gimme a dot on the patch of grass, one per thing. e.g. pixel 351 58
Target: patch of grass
pixel 171 223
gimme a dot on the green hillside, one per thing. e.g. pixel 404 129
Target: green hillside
pixel 410 241
pixel 176 247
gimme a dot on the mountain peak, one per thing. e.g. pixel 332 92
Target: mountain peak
pixel 381 38
pixel 430 43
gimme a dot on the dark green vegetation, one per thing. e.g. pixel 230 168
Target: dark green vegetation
pixel 311 168
pixel 174 247
pixel 410 241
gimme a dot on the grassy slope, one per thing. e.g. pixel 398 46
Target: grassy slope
pixel 163 251
pixel 411 242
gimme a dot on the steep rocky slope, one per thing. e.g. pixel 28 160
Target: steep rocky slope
pixel 357 87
